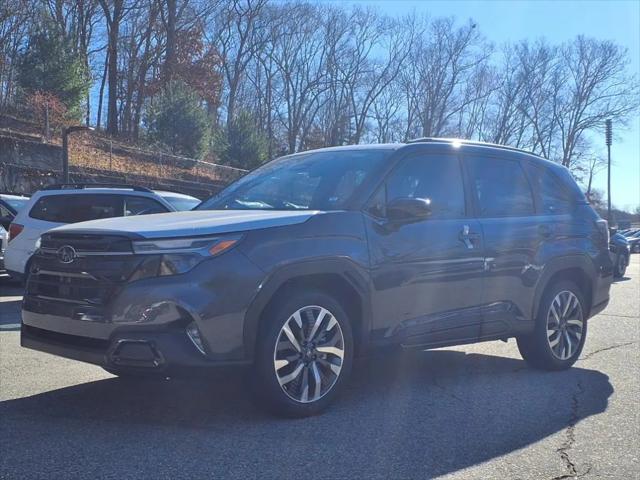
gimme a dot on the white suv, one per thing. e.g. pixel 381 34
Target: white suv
pixel 62 204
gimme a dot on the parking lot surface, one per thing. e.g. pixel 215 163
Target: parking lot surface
pixel 472 412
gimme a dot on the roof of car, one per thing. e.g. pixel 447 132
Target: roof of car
pixel 368 146
pixel 436 142
pixel 169 193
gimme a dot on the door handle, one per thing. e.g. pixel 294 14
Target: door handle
pixel 467 237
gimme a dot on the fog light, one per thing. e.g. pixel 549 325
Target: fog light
pixel 194 334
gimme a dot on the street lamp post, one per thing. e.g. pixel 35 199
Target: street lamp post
pixel 65 148
pixel 608 140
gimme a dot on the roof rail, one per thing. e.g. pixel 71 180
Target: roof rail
pixel 82 186
pixel 467 142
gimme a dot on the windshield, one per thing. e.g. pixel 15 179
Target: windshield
pixel 182 203
pixel 312 181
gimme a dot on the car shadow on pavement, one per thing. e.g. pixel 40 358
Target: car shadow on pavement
pixel 419 414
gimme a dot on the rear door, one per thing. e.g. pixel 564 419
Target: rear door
pixel 426 274
pixel 512 236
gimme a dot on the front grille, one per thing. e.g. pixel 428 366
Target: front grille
pixel 86 243
pixel 81 288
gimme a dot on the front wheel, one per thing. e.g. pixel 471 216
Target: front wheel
pixel 560 330
pixel 304 355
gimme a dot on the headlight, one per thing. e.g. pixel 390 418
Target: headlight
pixel 178 255
pixel 204 246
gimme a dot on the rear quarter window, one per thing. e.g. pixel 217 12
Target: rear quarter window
pixel 75 208
pixel 556 193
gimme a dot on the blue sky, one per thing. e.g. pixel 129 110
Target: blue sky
pixel 508 21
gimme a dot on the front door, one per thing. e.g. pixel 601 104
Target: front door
pixel 427 273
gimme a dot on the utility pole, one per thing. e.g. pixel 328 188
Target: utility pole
pixel 65 149
pixel 608 140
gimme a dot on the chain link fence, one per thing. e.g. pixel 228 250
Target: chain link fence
pixel 28 163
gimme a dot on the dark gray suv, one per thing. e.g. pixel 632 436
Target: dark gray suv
pixel 318 257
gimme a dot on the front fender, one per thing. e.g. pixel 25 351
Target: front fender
pixel 346 268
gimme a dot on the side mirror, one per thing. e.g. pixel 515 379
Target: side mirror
pixel 408 209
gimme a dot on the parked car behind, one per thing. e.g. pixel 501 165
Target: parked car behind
pixel 634 242
pixel 620 253
pixel 9 205
pixel 320 256
pixel 58 205
pixel 628 232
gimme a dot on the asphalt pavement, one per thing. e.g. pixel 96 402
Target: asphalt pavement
pixel 470 412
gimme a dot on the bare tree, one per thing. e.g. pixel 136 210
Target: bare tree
pixel 238 44
pixel 597 87
pixel 114 12
pixel 445 59
pixel 300 55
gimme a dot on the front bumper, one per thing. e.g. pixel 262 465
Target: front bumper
pixel 143 327
pixel 168 353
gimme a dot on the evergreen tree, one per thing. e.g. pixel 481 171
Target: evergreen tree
pixel 241 144
pixel 49 65
pixel 179 120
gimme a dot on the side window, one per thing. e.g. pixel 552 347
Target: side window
pixel 554 196
pixel 501 186
pixel 142 206
pixel 74 208
pixel 436 177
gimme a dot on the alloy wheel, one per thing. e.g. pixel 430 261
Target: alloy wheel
pixel 565 324
pixel 309 354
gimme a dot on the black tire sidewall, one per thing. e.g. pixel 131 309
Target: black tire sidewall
pixel 265 386
pixel 620 266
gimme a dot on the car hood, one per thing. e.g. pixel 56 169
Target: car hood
pixel 184 224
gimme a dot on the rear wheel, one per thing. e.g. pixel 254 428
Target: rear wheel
pixel 560 331
pixel 304 355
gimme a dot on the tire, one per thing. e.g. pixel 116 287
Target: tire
pixel 620 266
pixel 282 367
pixel 636 248
pixel 567 333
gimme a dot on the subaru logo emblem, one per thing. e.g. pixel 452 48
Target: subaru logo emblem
pixel 66 254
